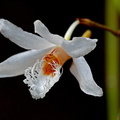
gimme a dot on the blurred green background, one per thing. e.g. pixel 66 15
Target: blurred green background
pixel 112 59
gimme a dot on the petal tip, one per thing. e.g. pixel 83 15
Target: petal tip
pixel 98 92
pixel 95 40
pixel 2 23
pixel 37 24
pixel 37 21
pixel 2 20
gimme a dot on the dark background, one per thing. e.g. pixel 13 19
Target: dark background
pixel 65 101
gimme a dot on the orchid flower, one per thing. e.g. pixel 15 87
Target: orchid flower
pixel 46 53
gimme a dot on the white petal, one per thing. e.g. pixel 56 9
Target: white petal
pixel 79 46
pixel 22 38
pixel 16 64
pixel 42 30
pixel 81 70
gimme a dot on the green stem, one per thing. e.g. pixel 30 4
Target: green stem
pixel 112 62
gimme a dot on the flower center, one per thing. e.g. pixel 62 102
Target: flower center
pixel 56 58
pixel 49 64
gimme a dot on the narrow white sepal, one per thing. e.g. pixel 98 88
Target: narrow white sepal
pixel 16 64
pixel 43 31
pixel 22 38
pixel 81 70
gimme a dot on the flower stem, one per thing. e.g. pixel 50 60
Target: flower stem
pixel 91 23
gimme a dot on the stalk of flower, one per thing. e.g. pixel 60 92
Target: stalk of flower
pixel 45 56
pixel 92 23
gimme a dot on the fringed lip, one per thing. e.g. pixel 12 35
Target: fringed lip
pixel 45 73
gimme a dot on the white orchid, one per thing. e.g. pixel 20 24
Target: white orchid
pixel 45 55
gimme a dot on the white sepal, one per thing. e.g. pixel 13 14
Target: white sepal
pixel 22 38
pixel 79 46
pixel 43 31
pixel 16 64
pixel 81 70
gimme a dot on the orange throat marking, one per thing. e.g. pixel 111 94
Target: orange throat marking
pixel 54 59
pixel 49 61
